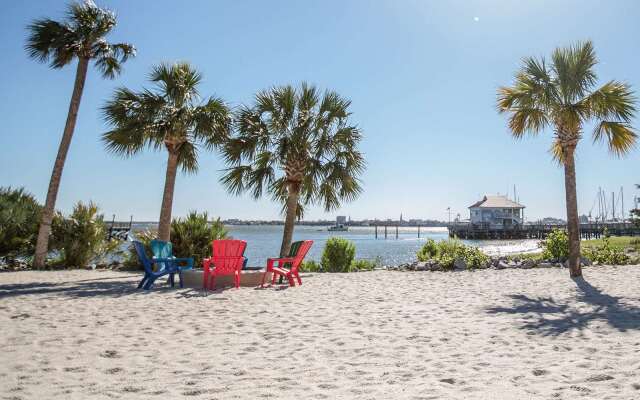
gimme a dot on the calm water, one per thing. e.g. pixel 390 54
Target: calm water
pixel 263 241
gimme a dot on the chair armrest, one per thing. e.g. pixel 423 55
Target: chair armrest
pixel 156 260
pixel 280 261
pixel 283 259
pixel 188 260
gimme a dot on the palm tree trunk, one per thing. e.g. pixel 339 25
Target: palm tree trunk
pixel 164 228
pixel 573 226
pixel 42 243
pixel 290 219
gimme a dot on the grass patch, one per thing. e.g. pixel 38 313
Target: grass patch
pixel 616 242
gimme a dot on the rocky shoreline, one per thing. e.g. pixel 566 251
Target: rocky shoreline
pixel 494 263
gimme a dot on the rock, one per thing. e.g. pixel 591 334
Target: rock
pixel 545 264
pixel 459 263
pixel 435 267
pixel 527 264
pixel 421 266
pixel 407 267
pixel 502 265
pixel 585 261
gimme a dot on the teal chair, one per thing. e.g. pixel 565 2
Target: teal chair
pixel 162 263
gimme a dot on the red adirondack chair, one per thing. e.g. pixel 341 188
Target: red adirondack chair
pixel 227 259
pixel 296 255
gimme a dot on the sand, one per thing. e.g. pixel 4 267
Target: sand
pixel 522 334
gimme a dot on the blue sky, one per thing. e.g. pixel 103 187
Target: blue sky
pixel 422 77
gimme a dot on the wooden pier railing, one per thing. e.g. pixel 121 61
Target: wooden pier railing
pixel 538 231
pixel 119 230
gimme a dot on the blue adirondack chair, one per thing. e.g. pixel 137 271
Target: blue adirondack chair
pixel 161 249
pixel 164 266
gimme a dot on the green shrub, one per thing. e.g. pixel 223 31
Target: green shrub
pixel 446 252
pixel 310 266
pixel 364 265
pixel 19 221
pixel 606 254
pixel 81 237
pixel 338 255
pixel 428 251
pixel 192 236
pixel 556 245
pixel 474 258
pixel 446 262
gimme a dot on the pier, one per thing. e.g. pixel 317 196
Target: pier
pixel 119 230
pixel 395 233
pixel 538 231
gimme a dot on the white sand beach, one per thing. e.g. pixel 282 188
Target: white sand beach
pixel 521 334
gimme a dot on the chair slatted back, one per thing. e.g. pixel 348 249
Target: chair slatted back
pixel 298 251
pixel 228 256
pixel 142 256
pixel 161 249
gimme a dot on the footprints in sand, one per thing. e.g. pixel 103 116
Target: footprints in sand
pixel 360 336
pixel 539 372
pixel 110 354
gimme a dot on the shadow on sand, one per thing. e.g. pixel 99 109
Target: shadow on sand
pixel 107 286
pixel 546 316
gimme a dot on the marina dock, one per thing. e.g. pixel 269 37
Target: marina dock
pixel 538 231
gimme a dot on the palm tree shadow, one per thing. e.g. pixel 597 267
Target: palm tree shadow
pixel 101 287
pixel 546 316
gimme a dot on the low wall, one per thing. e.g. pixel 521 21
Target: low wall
pixel 193 279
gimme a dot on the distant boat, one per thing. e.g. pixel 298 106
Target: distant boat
pixel 338 228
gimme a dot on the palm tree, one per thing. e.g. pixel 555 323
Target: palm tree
pixel 561 96
pixel 298 145
pixel 81 35
pixel 172 117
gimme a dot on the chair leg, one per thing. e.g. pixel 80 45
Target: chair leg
pixel 273 277
pixel 149 284
pixel 298 278
pixel 290 278
pixel 180 277
pixel 264 276
pixel 143 281
pixel 237 279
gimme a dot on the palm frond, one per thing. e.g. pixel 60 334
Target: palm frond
pixel 527 120
pixel 178 81
pixel 188 158
pixel 52 41
pixel 614 100
pixel 573 67
pixel 619 136
pixel 212 123
pixel 557 152
pixel 110 57
pixel 234 178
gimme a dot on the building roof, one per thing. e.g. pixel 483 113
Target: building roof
pixel 496 202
